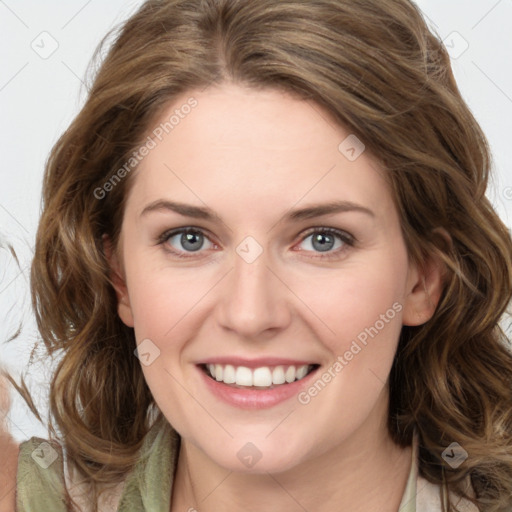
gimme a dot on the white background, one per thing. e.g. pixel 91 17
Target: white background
pixel 40 96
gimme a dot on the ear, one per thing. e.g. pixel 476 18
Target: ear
pixel 425 286
pixel 118 280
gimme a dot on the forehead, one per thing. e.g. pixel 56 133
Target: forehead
pixel 258 149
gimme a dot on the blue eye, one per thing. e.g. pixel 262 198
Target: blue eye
pixel 190 240
pixel 325 242
pixel 329 241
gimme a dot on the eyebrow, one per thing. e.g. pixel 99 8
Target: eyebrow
pixel 309 212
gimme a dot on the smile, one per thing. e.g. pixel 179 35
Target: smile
pixel 264 377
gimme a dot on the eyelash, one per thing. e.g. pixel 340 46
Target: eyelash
pixel 347 239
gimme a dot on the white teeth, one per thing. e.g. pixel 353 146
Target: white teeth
pixel 262 377
pixel 243 376
pixel 218 372
pixel 301 372
pixel 259 377
pixel 290 374
pixel 229 376
pixel 278 375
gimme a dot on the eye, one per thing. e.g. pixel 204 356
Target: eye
pixel 185 240
pixel 326 242
pixel 329 241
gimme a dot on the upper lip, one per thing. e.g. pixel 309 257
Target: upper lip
pixel 254 363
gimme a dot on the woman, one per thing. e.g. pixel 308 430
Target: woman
pixel 268 260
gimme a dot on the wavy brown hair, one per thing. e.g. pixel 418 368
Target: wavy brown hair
pixel 379 70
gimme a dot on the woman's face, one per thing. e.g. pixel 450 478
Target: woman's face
pixel 259 236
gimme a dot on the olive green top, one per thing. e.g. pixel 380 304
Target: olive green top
pixel 41 481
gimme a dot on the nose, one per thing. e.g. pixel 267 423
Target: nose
pixel 255 301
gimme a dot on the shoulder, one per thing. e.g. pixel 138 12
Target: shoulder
pixel 433 497
pixel 430 497
pixel 47 481
pixel 40 477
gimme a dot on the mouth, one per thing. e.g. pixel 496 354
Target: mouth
pixel 261 378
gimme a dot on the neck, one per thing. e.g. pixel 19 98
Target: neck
pixel 366 472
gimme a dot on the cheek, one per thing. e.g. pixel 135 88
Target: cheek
pixel 163 302
pixel 361 319
pixel 361 302
pixel 161 299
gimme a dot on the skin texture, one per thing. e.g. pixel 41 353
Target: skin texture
pixel 9 451
pixel 252 156
pixel 9 455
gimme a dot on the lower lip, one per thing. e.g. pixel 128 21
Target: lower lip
pixel 255 398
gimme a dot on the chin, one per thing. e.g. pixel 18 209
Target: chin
pixel 241 455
